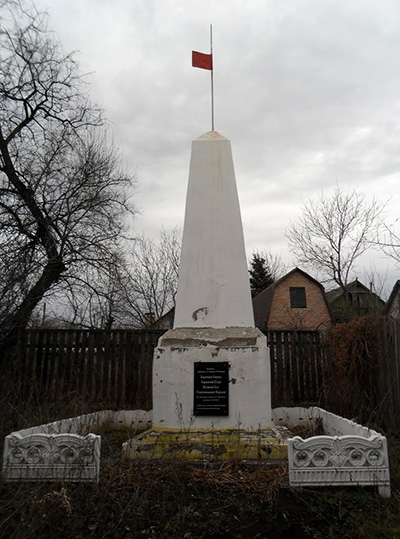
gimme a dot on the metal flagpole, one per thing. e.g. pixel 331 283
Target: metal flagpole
pixel 212 80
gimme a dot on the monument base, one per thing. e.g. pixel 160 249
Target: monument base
pixel 212 378
pixel 266 445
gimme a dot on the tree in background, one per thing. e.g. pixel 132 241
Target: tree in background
pixel 135 290
pixel 333 231
pixel 390 241
pixel 94 302
pixel 265 269
pixel 153 277
pixel 63 196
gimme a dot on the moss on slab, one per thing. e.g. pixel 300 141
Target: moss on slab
pixel 199 445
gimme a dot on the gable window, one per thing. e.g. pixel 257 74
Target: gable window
pixel 298 298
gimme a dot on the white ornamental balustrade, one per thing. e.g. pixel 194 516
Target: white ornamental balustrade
pixel 64 450
pixel 51 456
pixel 344 460
pixel 348 454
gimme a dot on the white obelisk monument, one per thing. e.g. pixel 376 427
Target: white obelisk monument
pixel 212 369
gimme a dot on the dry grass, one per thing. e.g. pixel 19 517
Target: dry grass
pixel 180 500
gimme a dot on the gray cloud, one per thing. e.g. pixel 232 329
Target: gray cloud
pixel 307 91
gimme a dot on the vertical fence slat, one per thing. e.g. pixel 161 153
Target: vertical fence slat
pixel 289 340
pixel 122 368
pixel 310 355
pixel 295 368
pixel 129 370
pixel 92 366
pixel 52 363
pixel 31 358
pixel 306 354
pixel 76 359
pixel 313 395
pixel 320 363
pixel 62 351
pixel 279 362
pixel 69 344
pixel 84 362
pixel 272 354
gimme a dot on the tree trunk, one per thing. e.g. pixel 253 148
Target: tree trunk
pixel 12 326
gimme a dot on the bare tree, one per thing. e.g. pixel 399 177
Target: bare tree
pixel 389 241
pixel 333 231
pixel 63 196
pixel 133 291
pixel 93 299
pixel 153 277
pixel 376 280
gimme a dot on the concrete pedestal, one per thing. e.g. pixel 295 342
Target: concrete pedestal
pixel 246 352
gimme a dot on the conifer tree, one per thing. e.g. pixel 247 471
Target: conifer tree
pixel 261 275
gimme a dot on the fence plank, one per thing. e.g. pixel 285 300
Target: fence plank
pixel 279 362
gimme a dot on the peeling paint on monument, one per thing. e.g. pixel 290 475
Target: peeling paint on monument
pixel 200 314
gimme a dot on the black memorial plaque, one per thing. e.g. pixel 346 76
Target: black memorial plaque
pixel 211 388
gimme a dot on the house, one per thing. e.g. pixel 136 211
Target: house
pixel 295 301
pixel 355 300
pixel 392 307
pixel 166 321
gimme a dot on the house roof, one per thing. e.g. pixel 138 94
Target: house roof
pixel 354 286
pixel 392 296
pixel 262 306
pixel 167 319
pixel 263 301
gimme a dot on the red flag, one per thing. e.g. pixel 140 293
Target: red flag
pixel 204 61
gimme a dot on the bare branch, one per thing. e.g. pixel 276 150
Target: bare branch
pixel 332 232
pixel 389 241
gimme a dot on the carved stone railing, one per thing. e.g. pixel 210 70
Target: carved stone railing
pixel 64 450
pixel 68 457
pixel 339 460
pixel 347 454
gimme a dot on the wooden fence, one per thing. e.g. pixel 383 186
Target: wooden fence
pixel 114 368
pixel 110 368
pixel 297 367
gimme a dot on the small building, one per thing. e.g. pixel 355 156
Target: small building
pixel 392 307
pixel 354 300
pixel 166 321
pixel 295 301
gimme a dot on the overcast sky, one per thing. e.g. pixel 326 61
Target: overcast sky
pixel 308 92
